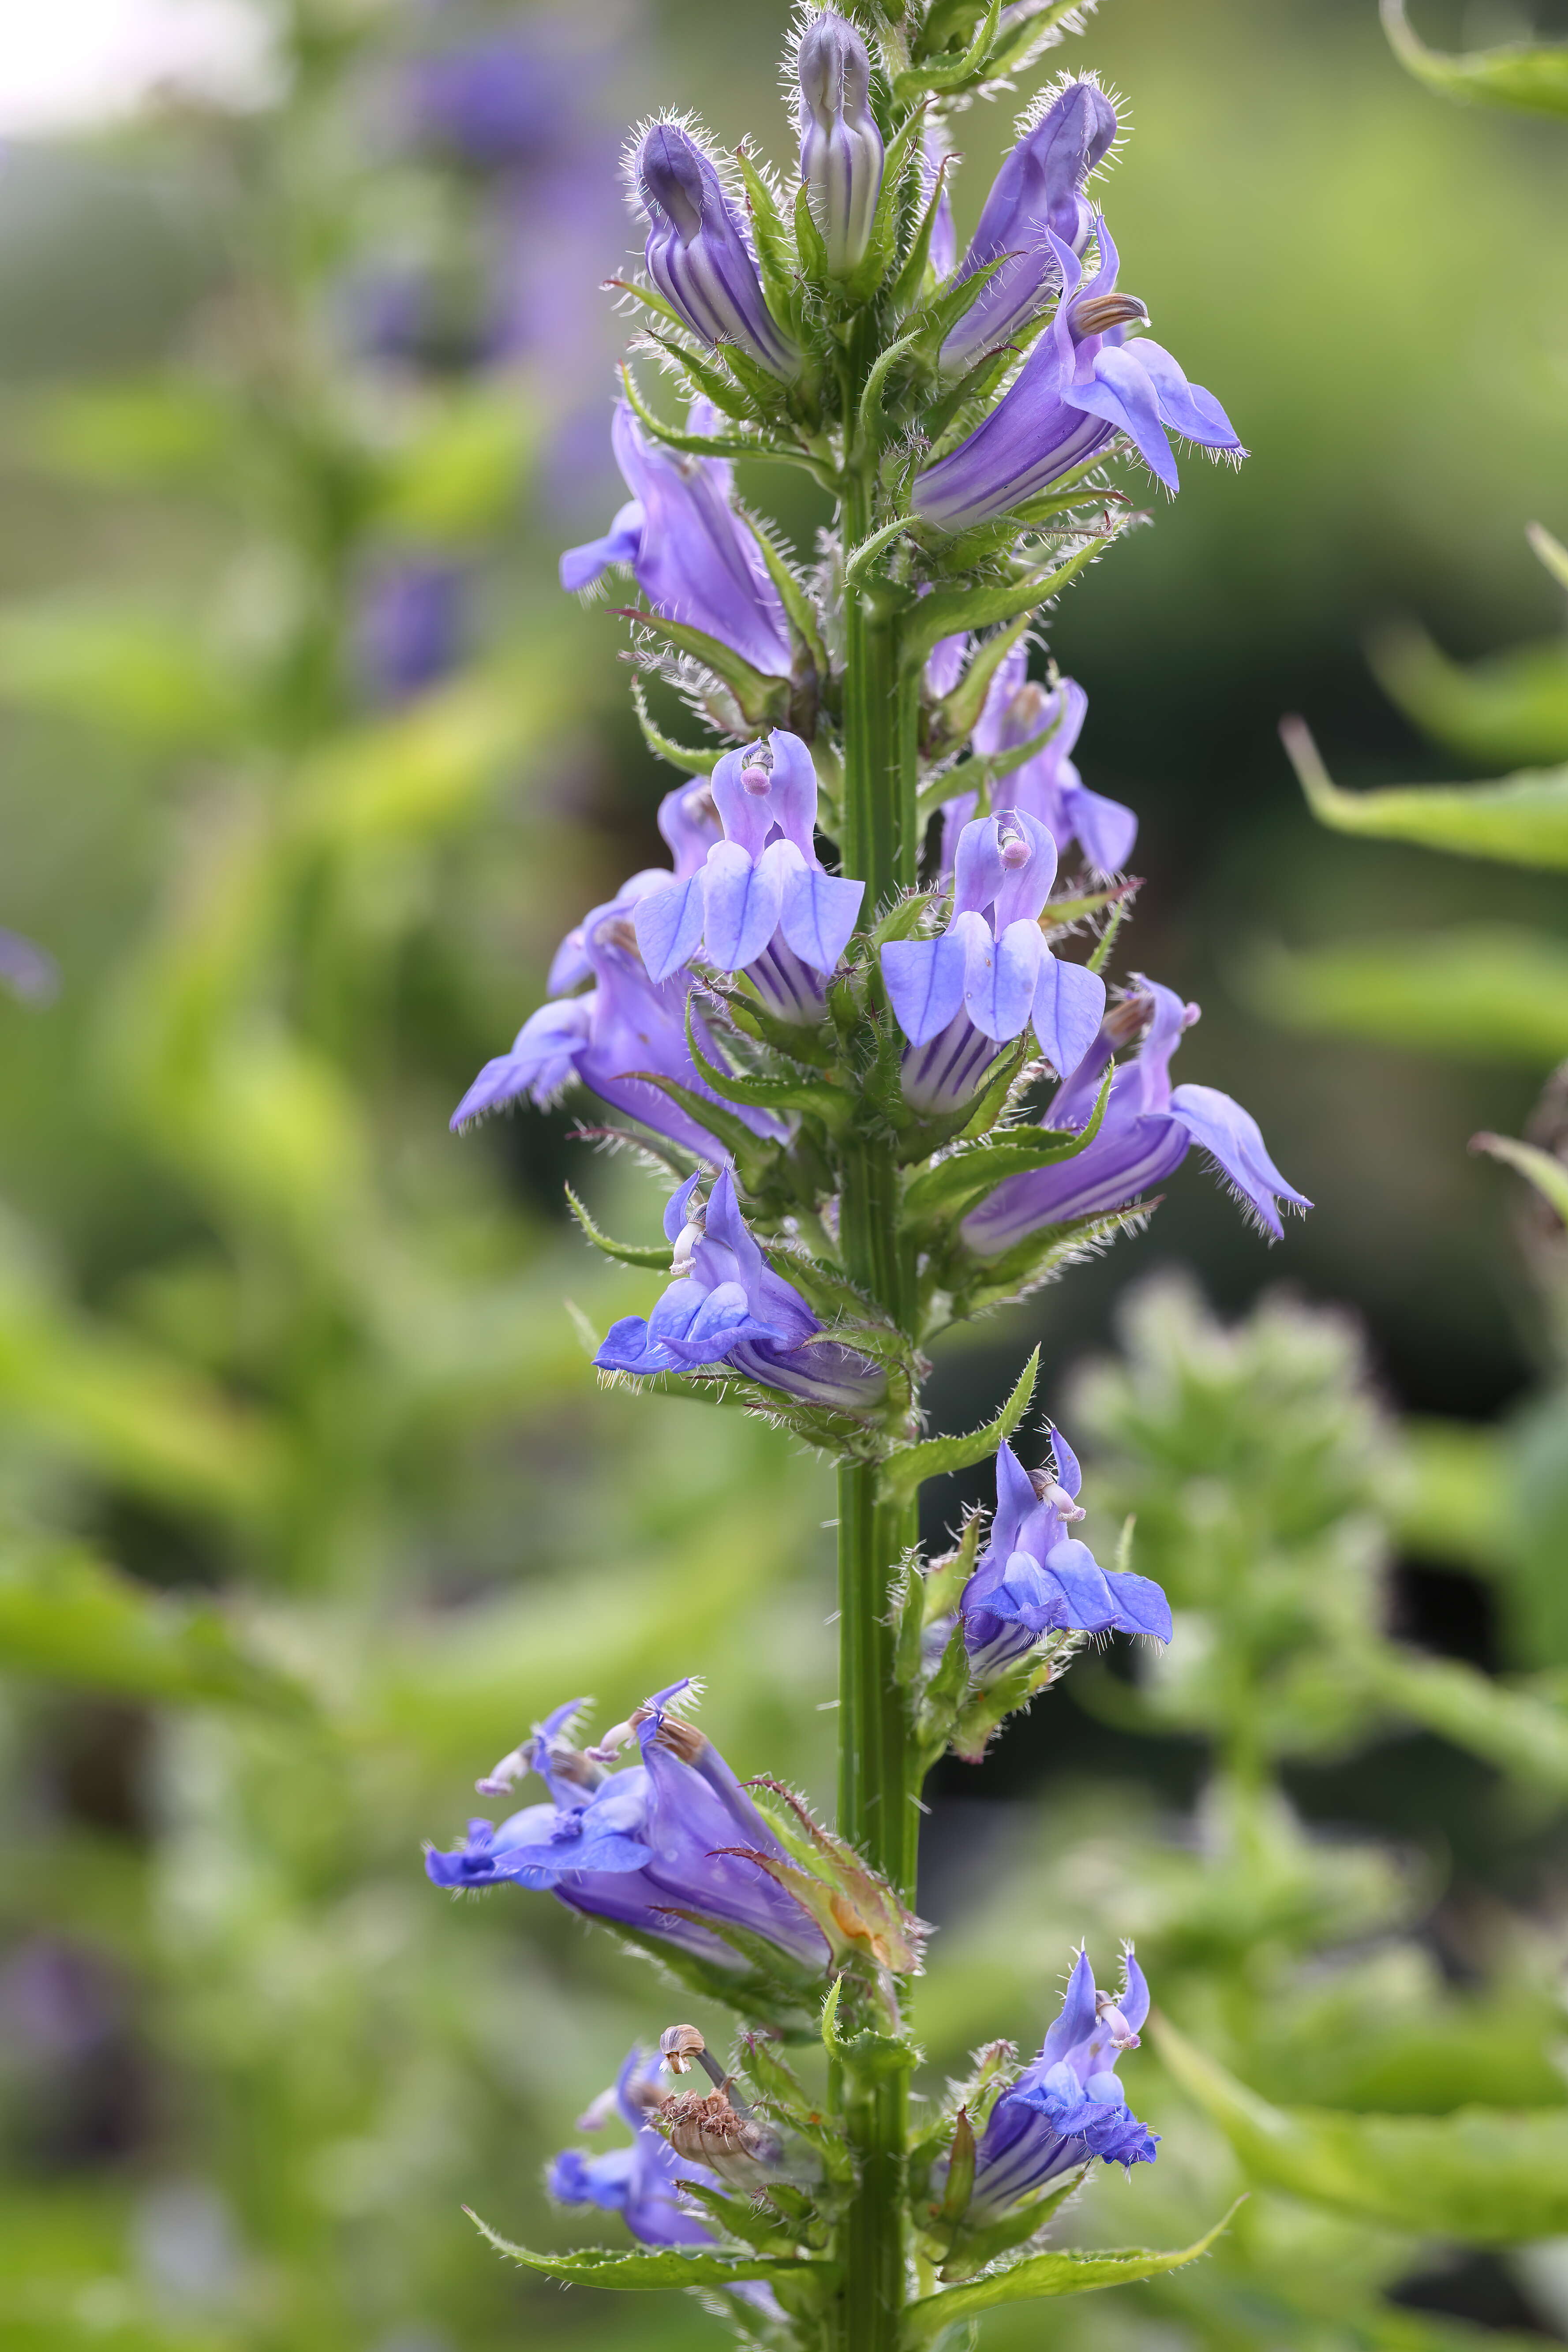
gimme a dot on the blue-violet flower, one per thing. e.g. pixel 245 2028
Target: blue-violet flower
pixel 1147 1131
pixel 1034 1577
pixel 1049 785
pixel 761 903
pixel 1037 205
pixel 1080 385
pixel 693 557
pixel 728 1311
pixel 959 998
pixel 642 1846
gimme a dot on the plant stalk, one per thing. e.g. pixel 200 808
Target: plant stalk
pixel 876 1796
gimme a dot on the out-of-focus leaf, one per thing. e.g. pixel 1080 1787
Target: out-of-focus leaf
pixel 1528 76
pixel 69 1617
pixel 1526 1736
pixel 453 478
pixel 135 673
pixel 1512 710
pixel 425 768
pixel 671 2266
pixel 162 430
pixel 1447 1493
pixel 1548 551
pixel 1548 1174
pixel 1041 2276
pixel 1519 819
pixel 1484 2176
pixel 1494 992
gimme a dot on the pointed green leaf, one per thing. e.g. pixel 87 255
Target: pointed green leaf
pixel 628 1253
pixel 1533 78
pixel 68 1617
pixel 1481 2175
pixel 993 1282
pixel 1493 992
pixel 776 254
pixel 1548 1175
pixel 797 605
pixel 973 2248
pixel 882 241
pixel 966 1175
pixel 952 610
pixel 692 760
pixel 1521 820
pixel 961 72
pixel 903 1473
pixel 714 382
pixel 671 2267
pixel 1040 2275
pixel 761 699
pixel 780 1095
pixel 1509 711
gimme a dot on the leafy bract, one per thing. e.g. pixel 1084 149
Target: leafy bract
pixel 1533 76
pixel 907 1471
pixel 1041 2276
pixel 1482 2174
pixel 671 2266
pixel 1520 820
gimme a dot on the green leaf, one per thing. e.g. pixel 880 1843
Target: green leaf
pixel 1510 710
pixel 598 2266
pixel 904 1473
pixel 721 1124
pixel 829 1103
pixel 974 2247
pixel 449 482
pixel 770 238
pixel 1533 79
pixel 1520 820
pixel 966 1175
pixel 956 716
pixel 1040 2275
pixel 692 760
pixel 1548 1175
pixel 141 673
pixel 961 72
pixel 951 610
pixel 761 699
pixel 1492 992
pixel 628 1253
pixel 69 1617
pixel 882 242
pixel 797 605
pixel 1482 2176
pixel 1527 1737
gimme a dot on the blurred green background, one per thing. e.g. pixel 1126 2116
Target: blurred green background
pixel 308 1502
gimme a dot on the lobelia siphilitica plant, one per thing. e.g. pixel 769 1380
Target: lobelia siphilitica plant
pixel 867 1018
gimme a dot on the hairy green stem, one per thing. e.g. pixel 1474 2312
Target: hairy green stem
pixel 876 1787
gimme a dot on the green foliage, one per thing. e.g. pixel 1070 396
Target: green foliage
pixel 1520 821
pixel 1040 2276
pixel 1490 992
pixel 1530 77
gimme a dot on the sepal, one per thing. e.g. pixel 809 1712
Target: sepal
pixel 761 701
pixel 955 1184
pixel 691 760
pixel 960 75
pixel 628 1253
pixel 948 611
pixel 904 1473
pixel 857 1911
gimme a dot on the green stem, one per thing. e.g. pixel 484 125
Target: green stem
pixel 875 1766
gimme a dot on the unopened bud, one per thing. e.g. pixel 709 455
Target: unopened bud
pixel 841 150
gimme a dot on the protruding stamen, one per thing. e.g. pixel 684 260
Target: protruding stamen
pixel 1044 1482
pixel 502 1777
pixel 1096 314
pixel 1122 2034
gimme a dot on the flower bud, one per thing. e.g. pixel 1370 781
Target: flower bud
pixel 841 147
pixel 697 255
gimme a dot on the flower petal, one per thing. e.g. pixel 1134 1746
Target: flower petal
pixel 742 902
pixel 924 980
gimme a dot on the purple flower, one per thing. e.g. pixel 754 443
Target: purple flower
pixel 1146 1133
pixel 760 902
pixel 1034 1579
pixel 1036 206
pixel 1049 785
pixel 493 103
pixel 29 972
pixel 1067 2108
pixel 409 627
pixel 625 1025
pixel 643 1846
pixel 1080 385
pixel 698 256
pixel 693 557
pixel 640 2182
pixel 728 1311
pixel 841 148
pixel 958 999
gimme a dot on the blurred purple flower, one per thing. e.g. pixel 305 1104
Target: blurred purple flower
pixel 694 558
pixel 625 1025
pixel 728 1311
pixel 492 102
pixel 29 972
pixel 1146 1133
pixel 1036 206
pixel 961 997
pixel 1067 2108
pixel 1082 386
pixel 841 148
pixel 409 627
pixel 698 256
pixel 760 902
pixel 1049 785
pixel 1033 1578
pixel 641 1846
